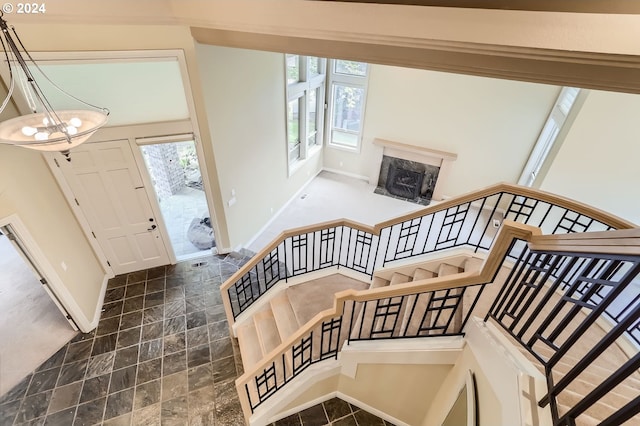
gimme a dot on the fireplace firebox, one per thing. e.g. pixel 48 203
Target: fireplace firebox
pixel 407 180
pixel 404 183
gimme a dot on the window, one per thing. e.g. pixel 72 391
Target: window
pixel 548 135
pixel 348 81
pixel 305 105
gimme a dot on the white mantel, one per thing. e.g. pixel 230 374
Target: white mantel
pixel 422 155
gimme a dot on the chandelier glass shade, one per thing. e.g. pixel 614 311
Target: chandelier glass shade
pixel 45 129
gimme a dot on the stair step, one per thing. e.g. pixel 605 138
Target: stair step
pixel 423 274
pixel 445 269
pixel 284 316
pixel 249 344
pixel 472 264
pixel 379 282
pixel 583 420
pixel 398 278
pixel 267 330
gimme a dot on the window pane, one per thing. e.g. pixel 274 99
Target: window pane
pixel 342 138
pixel 293 127
pixel 314 66
pixel 293 69
pixel 312 117
pixel 347 107
pixel 350 67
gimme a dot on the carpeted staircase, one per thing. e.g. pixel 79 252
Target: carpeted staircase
pixel 291 308
pixel 288 310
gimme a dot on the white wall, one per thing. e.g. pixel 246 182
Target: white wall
pixel 491 124
pixel 598 161
pixel 245 98
pixel 28 189
pixel 489 405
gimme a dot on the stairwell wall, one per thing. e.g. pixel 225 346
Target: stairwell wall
pixel 597 163
pixel 489 406
pixel 244 92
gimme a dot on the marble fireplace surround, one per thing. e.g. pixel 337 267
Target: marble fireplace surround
pixel 422 155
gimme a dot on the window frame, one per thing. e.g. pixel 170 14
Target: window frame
pixel 300 91
pixel 349 80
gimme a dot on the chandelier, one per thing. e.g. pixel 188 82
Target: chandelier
pixel 45 129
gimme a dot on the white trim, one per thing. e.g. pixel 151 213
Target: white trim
pixel 280 210
pixel 514 380
pixel 433 351
pixel 56 284
pixel 343 173
pixel 309 404
pixel 308 378
pixel 98 312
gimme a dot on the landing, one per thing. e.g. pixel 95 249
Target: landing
pixel 317 295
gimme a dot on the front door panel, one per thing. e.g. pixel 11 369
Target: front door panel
pixel 107 184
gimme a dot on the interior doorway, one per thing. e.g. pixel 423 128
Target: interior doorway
pixel 175 174
pixel 33 323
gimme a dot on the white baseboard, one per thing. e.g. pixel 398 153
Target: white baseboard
pixel 343 173
pixel 370 409
pixel 98 311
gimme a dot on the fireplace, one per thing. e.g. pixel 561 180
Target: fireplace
pixel 407 180
pixel 404 183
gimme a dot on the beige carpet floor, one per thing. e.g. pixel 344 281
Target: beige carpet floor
pixel 317 295
pixel 31 326
pixel 332 196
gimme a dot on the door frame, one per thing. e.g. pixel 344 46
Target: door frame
pixel 58 291
pixel 133 132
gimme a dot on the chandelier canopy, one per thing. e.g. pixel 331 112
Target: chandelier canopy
pixel 45 129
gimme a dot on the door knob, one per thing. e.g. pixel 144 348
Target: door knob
pixel 152 228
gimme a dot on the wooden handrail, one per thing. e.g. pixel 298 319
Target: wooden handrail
pixel 585 209
pixel 597 214
pixel 500 246
pixel 625 241
pixel 494 190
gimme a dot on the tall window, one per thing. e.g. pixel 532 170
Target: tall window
pixel 548 135
pixel 305 105
pixel 348 80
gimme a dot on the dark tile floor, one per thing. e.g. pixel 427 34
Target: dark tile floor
pixel 161 355
pixel 334 412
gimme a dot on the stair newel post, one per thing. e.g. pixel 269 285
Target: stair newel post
pixel 286 265
pixel 340 246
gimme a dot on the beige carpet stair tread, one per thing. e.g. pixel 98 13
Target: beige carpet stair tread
pixel 379 282
pixel 317 295
pixel 423 274
pixel 267 330
pixel 446 269
pixel 398 278
pixel 473 264
pixel 249 344
pixel 284 316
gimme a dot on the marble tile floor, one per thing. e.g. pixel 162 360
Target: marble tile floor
pixel 334 412
pixel 161 355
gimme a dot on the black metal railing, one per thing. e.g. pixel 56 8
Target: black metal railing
pixel 552 304
pixel 471 224
pixel 467 223
pixel 341 246
pixel 416 315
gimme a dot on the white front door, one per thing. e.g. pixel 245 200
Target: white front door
pixel 107 185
